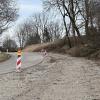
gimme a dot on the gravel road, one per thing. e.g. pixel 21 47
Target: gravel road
pixel 58 77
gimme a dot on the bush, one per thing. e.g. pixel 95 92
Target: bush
pixel 82 51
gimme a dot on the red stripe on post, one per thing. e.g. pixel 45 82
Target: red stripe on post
pixel 18 62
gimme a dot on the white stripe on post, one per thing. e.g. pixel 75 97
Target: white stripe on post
pixel 18 65
pixel 19 58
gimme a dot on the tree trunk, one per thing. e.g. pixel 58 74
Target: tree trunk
pixel 74 25
pixel 72 13
pixel 67 34
pixel 87 17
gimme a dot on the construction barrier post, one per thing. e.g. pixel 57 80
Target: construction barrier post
pixel 44 52
pixel 18 64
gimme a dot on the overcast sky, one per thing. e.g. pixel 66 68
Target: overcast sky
pixel 26 9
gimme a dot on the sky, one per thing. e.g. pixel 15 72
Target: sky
pixel 26 9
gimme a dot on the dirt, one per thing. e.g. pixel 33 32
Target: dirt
pixel 58 77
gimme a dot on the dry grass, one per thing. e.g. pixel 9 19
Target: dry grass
pixel 82 51
pixel 4 57
pixel 35 47
pixel 48 46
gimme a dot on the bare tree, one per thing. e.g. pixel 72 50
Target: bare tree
pixel 46 35
pixel 8 14
pixel 40 21
pixel 33 39
pixel 55 30
pixel 50 4
pixel 85 13
pixel 95 13
pixel 36 23
pixel 69 9
pixel 9 44
pixel 27 33
pixel 21 35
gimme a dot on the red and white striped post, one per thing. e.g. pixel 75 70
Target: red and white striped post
pixel 18 64
pixel 44 53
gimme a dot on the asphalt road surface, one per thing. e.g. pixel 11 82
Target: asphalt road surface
pixel 28 59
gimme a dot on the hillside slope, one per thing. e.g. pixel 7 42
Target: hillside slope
pixel 48 46
pixel 90 48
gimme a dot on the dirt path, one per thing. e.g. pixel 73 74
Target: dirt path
pixel 59 77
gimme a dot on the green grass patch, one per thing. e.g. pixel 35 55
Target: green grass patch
pixel 4 57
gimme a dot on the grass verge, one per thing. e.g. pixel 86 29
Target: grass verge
pixel 4 57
